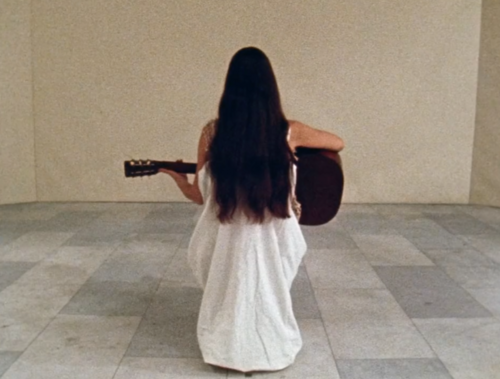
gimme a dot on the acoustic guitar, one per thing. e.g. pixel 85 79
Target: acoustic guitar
pixel 320 181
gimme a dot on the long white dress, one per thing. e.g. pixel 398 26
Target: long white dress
pixel 246 321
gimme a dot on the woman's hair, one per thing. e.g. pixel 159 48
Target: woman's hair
pixel 249 157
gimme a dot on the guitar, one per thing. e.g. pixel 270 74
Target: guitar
pixel 320 181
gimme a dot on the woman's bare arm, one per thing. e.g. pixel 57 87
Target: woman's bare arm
pixel 192 191
pixel 302 135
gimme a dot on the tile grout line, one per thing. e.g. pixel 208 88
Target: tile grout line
pixel 147 308
pixel 323 323
pixel 417 329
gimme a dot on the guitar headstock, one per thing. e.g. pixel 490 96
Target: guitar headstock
pixel 140 168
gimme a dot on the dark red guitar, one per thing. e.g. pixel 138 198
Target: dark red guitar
pixel 320 181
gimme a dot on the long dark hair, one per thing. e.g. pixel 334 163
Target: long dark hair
pixel 249 157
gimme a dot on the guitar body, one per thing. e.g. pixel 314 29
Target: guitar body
pixel 320 184
pixel 320 181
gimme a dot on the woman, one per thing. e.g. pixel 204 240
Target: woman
pixel 247 245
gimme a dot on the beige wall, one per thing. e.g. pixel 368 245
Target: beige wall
pixel 17 164
pixel 119 79
pixel 485 184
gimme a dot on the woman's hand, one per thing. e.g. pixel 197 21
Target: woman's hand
pixel 191 191
pixel 179 178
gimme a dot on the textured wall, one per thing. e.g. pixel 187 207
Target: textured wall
pixel 17 163
pixel 119 79
pixel 485 187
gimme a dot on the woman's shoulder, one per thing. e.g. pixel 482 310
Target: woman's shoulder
pixel 210 126
pixel 208 131
pixel 294 131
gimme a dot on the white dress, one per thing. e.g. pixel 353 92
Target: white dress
pixel 246 321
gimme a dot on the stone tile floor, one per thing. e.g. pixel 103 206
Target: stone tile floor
pixel 103 290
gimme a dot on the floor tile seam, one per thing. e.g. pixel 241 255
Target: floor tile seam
pixel 344 288
pixel 494 314
pixel 472 247
pixel 442 319
pixel 35 265
pixel 491 264
pixel 465 287
pixel 142 319
pixel 167 265
pixel 31 343
pixel 129 343
pixel 150 302
pixel 9 249
pixel 77 228
pixel 84 282
pixel 406 239
pixel 323 324
pixel 411 322
pixel 459 285
pixel 479 218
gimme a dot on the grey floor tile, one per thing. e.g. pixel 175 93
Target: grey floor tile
pixel 366 224
pixel 416 226
pixel 18 226
pixel 34 246
pixel 141 262
pixel 357 208
pixel 169 337
pixel 7 358
pixel 360 306
pixel 167 210
pixel 488 297
pixel 168 328
pixel 399 210
pixel 12 230
pixel 440 208
pixel 7 237
pixel 427 292
pixel 138 240
pixel 439 239
pixel 111 298
pixel 76 347
pixel 165 226
pixel 474 276
pixel 368 323
pixel 469 348
pixel 392 369
pixel 468 267
pixel 27 212
pixel 462 224
pixel 11 271
pixel 340 269
pixel 179 272
pixel 390 250
pixel 69 221
pixel 489 245
pixel 303 300
pixel 103 232
pixel 325 237
pixel 427 234
pixel 376 341
pixel 167 368
pixel 465 257
pixel 489 215
pixel 174 302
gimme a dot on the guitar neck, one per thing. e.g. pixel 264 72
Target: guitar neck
pixel 180 167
